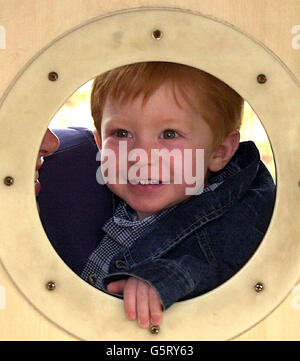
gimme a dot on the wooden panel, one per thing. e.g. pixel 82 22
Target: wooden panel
pixel 31 25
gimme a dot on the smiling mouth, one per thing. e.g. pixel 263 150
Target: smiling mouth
pixel 145 182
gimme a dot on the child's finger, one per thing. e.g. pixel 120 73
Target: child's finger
pixel 155 307
pixel 129 296
pixel 117 286
pixel 143 304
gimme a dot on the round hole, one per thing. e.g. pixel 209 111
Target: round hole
pixel 157 34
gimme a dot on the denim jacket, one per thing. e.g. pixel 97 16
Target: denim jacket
pixel 206 239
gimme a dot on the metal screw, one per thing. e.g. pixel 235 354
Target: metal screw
pixel 259 287
pixel 50 285
pixel 154 329
pixel 52 76
pixel 157 34
pixel 261 78
pixel 8 181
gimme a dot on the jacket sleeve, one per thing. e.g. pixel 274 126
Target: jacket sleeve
pixel 172 279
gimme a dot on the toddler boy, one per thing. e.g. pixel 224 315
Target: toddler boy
pixel 164 244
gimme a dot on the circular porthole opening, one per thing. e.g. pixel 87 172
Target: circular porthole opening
pixel 78 211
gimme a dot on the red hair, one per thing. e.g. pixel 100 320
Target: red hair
pixel 219 105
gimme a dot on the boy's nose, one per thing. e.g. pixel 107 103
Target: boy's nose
pixel 144 156
pixel 49 144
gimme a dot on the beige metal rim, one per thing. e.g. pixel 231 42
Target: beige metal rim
pixel 102 44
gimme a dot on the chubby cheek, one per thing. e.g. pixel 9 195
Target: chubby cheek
pixel 192 163
pixel 194 167
pixel 118 189
pixel 114 161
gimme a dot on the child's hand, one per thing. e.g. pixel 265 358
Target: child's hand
pixel 141 301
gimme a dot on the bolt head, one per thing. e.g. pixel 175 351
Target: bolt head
pixel 8 181
pixel 50 285
pixel 259 287
pixel 52 76
pixel 157 34
pixel 261 78
pixel 154 329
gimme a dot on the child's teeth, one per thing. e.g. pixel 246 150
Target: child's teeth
pixel 145 182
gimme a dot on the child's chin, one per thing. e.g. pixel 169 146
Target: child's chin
pixel 148 211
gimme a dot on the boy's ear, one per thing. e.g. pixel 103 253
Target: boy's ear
pixel 97 139
pixel 224 152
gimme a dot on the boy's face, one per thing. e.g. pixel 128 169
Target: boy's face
pixel 160 124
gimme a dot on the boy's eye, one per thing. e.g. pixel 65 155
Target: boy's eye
pixel 122 133
pixel 169 134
